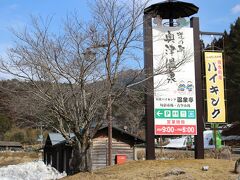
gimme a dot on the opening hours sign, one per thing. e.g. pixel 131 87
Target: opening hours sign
pixel 174 81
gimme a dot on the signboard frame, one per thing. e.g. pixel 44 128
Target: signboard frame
pixel 149 110
pixel 172 115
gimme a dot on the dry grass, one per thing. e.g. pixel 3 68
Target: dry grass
pixel 164 154
pixel 218 169
pixel 10 158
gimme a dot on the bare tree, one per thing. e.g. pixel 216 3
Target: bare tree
pixel 129 112
pixel 62 75
pixel 72 77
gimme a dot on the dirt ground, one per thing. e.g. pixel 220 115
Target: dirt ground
pixel 181 169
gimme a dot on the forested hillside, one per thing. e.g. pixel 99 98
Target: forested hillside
pixel 20 113
pixel 230 43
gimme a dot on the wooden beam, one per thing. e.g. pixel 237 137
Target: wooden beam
pixel 199 144
pixel 149 101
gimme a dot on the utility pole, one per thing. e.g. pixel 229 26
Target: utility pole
pixel 109 104
pixel 110 130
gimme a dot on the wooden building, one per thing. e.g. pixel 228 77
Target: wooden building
pixel 58 153
pixel 231 135
pixel 10 146
pixel 122 144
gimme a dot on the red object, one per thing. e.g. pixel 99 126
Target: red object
pixel 175 130
pixel 120 159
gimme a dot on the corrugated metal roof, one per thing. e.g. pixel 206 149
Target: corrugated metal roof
pixel 230 138
pixel 10 144
pixel 57 137
pixel 233 130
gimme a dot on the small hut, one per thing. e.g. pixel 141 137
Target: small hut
pixel 58 153
pixel 10 146
pixel 123 143
pixel 231 135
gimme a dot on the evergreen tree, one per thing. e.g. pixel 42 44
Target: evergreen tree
pixel 232 71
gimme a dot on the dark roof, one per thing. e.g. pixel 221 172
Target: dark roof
pixel 124 133
pixel 10 144
pixel 233 130
pixel 172 9
pixel 57 138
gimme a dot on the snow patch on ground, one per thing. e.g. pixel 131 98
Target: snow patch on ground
pixel 30 171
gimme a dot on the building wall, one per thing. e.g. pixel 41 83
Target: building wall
pixel 100 149
pixel 58 157
pixel 232 143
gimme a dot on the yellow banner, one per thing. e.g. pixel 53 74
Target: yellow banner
pixel 215 86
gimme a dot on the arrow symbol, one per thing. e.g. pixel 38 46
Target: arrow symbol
pixel 159 113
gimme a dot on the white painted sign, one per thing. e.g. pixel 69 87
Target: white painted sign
pixel 174 81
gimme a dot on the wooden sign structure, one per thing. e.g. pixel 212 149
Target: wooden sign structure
pixel 149 97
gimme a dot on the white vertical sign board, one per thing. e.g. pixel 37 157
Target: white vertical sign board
pixel 174 81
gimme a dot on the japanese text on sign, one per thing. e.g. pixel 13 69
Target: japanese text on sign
pixel 174 90
pixel 214 86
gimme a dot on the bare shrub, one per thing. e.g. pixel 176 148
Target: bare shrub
pixel 237 167
pixel 225 153
pixel 209 153
pixel 141 155
pixel 174 154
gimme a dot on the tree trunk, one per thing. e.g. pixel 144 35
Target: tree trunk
pixel 81 158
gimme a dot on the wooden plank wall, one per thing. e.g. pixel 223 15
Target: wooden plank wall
pixel 99 151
